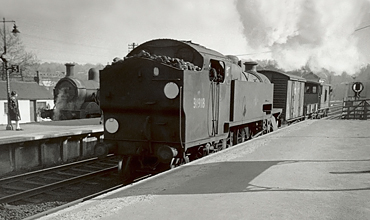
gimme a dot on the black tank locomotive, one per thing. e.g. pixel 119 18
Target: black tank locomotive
pixel 172 101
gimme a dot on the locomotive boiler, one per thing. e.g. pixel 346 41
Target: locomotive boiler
pixel 75 98
pixel 172 101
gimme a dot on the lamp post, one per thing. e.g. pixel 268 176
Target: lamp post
pixel 5 59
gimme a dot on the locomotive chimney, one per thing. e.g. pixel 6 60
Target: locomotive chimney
pixel 93 74
pixel 250 66
pixel 70 69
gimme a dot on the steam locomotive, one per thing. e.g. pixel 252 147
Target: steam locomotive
pixel 169 101
pixel 75 98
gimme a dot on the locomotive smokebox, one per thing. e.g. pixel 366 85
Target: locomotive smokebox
pixel 70 69
pixel 166 153
pixel 250 66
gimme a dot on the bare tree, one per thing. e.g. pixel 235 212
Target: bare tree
pixel 17 54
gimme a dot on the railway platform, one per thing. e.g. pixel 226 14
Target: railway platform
pixel 49 129
pixel 45 144
pixel 316 169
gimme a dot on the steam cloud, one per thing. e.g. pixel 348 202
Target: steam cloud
pixel 62 103
pixel 314 33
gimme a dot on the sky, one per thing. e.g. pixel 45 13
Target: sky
pixel 314 33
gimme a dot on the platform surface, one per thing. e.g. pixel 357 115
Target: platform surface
pixel 49 129
pixel 317 169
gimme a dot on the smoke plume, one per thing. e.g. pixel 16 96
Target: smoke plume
pixel 319 34
pixel 62 103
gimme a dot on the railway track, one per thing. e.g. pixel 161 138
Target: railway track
pixel 31 193
pixel 24 186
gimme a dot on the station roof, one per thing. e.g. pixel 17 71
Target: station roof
pixel 26 91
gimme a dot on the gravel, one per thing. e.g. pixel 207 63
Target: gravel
pixel 15 212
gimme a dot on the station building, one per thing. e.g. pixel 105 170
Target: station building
pixel 31 98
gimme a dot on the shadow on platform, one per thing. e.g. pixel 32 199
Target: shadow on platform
pixel 222 177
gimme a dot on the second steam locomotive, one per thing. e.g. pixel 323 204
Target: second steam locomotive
pixel 75 98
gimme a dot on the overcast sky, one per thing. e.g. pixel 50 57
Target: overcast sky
pixel 320 33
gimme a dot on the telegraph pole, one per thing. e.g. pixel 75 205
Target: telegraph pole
pixel 131 47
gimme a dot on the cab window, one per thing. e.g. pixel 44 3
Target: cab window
pixel 217 71
pixel 314 89
pixel 311 89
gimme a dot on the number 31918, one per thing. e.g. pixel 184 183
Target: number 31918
pixel 199 103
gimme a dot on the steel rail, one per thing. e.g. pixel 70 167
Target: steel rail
pixel 50 169
pixel 55 185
